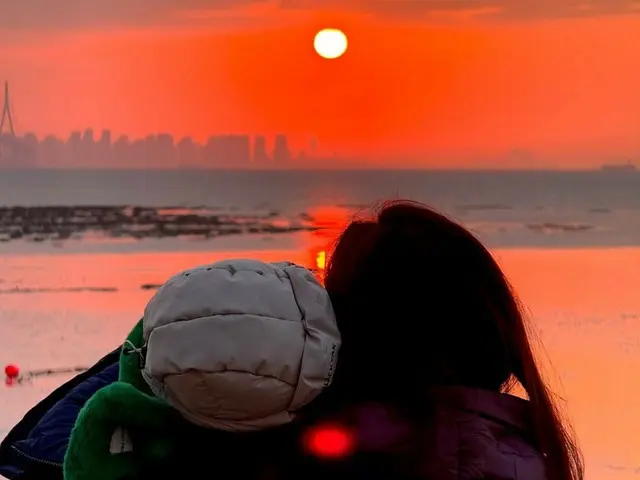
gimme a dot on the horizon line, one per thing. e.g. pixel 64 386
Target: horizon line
pixel 314 168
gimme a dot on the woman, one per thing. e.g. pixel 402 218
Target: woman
pixel 434 336
pixel 432 341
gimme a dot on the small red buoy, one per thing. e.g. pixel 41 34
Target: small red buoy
pixel 12 371
pixel 329 441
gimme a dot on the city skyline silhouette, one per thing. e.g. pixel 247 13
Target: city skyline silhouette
pixel 85 149
pixel 82 148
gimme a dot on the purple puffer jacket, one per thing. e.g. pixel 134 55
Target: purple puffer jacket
pixel 483 435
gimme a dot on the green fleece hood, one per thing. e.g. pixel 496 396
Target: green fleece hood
pixel 123 426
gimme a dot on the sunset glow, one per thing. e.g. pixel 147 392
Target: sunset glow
pixel 507 87
pixel 321 260
pixel 144 138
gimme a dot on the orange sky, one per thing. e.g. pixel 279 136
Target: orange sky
pixel 444 85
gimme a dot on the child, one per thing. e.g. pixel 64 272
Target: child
pixel 235 346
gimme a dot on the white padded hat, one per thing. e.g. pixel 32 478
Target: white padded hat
pixel 240 345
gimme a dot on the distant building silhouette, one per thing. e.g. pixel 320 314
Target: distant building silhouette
pixel 30 148
pixel 228 151
pixel 313 146
pixel 104 152
pixel 188 154
pixel 281 152
pixel 122 152
pixel 138 153
pixel 53 150
pixel 87 147
pixel 260 155
pixel 237 151
pixel 163 151
pixel 73 150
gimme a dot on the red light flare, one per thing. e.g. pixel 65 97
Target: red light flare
pixel 330 442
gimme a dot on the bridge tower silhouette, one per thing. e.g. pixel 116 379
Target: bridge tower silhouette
pixel 6 113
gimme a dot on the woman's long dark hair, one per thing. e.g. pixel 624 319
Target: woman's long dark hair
pixel 420 303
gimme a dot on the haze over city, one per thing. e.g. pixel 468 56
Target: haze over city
pixel 438 84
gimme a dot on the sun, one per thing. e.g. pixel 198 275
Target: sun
pixel 330 43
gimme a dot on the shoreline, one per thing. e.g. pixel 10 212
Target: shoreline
pixel 257 242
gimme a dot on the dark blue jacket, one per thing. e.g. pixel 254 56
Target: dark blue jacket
pixel 34 449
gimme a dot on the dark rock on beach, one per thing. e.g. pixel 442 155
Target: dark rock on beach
pixel 57 223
